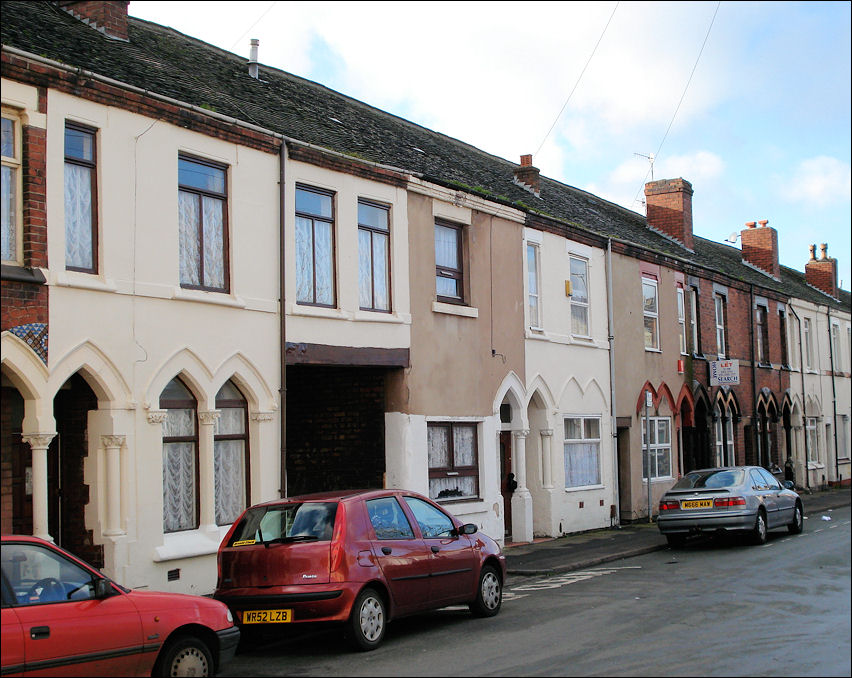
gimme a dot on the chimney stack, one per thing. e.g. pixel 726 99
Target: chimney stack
pixel 252 64
pixel 760 247
pixel 527 176
pixel 822 273
pixel 110 18
pixel 668 205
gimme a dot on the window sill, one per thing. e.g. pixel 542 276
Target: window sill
pixel 85 281
pixel 383 317
pixel 569 490
pixel 661 479
pixel 188 544
pixel 653 350
pixel 814 465
pixel 216 298
pixel 455 309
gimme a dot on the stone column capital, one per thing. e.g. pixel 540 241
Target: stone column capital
pixel 38 441
pixel 546 432
pixel 112 441
pixel 157 416
pixel 208 417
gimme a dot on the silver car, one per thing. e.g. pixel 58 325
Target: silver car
pixel 739 498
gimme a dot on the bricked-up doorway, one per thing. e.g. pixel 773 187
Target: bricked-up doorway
pixel 68 495
pixel 335 428
pixel 16 464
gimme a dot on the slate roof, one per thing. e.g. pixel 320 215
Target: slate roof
pixel 161 60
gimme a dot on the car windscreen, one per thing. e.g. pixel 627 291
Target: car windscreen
pixel 305 521
pixel 710 479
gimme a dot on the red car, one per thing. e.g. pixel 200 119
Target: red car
pixel 62 617
pixel 360 558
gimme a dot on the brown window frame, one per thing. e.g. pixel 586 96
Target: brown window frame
pixel 456 274
pixel 185 404
pixel 233 403
pixel 372 230
pixel 332 222
pixel 92 165
pixel 782 324
pixel 223 196
pixel 761 327
pixel 452 470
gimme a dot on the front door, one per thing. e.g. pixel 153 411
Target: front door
pixel 506 488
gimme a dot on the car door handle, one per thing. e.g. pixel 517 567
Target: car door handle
pixel 40 632
pixel 435 549
pixel 387 550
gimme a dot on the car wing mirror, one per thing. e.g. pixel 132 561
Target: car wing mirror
pixel 103 588
pixel 789 485
pixel 468 528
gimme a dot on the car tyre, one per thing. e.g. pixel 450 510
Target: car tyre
pixel 489 594
pixel 186 656
pixel 760 532
pixel 798 523
pixel 676 540
pixel 367 621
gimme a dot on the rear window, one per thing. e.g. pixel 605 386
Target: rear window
pixel 710 479
pixel 308 521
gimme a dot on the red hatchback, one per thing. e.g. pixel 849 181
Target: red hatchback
pixel 360 558
pixel 64 618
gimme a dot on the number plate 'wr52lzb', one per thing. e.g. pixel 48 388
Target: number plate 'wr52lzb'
pixel 267 616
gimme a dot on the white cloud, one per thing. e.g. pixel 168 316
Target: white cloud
pixel 822 180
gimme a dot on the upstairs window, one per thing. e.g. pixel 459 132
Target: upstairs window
pixel 80 199
pixel 694 325
pixel 835 347
pixel 449 273
pixel 202 217
pixel 681 319
pixel 11 236
pixel 721 324
pixel 761 330
pixel 782 329
pixel 315 283
pixel 533 301
pixel 579 297
pixel 809 349
pixel 373 256
pixel 651 314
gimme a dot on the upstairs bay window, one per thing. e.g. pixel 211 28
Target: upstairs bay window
pixel 202 217
pixel 579 297
pixel 80 199
pixel 315 283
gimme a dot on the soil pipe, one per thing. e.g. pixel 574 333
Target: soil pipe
pixel 755 424
pixel 282 391
pixel 833 396
pixel 613 420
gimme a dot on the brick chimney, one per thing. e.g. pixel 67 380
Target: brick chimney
pixel 527 176
pixel 760 247
pixel 110 18
pixel 822 273
pixel 668 205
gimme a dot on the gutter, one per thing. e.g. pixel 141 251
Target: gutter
pixel 804 402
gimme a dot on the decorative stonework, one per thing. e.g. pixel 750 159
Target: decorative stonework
pixel 35 336
pixel 112 441
pixel 262 416
pixel 157 416
pixel 38 441
pixel 209 417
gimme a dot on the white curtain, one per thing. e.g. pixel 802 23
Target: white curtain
pixel 190 256
pixel 78 216
pixel 214 243
pixel 581 464
pixel 9 237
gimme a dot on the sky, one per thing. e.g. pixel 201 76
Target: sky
pixel 749 102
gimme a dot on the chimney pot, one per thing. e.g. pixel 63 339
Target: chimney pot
pixel 750 224
pixel 824 251
pixel 812 248
pixel 763 223
pixel 526 161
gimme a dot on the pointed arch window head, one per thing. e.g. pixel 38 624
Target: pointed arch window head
pixel 180 458
pixel 230 454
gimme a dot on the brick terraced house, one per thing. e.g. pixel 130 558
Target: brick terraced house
pixel 223 283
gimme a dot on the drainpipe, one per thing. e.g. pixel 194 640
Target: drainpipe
pixel 833 396
pixel 802 374
pixel 282 391
pixel 611 339
pixel 755 420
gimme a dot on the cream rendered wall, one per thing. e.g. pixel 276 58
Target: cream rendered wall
pixel 347 325
pixel 566 375
pixel 131 324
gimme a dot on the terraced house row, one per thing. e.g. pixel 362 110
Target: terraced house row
pixel 222 283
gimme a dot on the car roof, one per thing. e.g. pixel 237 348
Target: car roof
pixel 336 495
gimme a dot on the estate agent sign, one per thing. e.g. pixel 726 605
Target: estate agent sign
pixel 724 372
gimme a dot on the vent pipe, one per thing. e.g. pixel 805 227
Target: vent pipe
pixel 252 64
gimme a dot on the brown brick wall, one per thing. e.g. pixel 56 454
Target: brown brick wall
pixel 669 208
pixel 760 248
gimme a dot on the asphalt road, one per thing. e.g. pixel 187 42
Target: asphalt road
pixel 714 608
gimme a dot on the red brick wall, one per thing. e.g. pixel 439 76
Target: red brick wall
pixel 669 208
pixel 109 16
pixel 822 274
pixel 760 248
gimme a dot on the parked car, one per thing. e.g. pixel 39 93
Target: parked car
pixel 357 558
pixel 741 498
pixel 64 617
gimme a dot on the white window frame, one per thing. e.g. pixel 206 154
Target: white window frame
pixel 724 443
pixel 836 348
pixel 720 303
pixel 809 349
pixel 812 433
pixel 583 440
pixel 651 315
pixel 584 306
pixel 656 447
pixel 681 320
pixel 693 318
pixel 533 258
pixel 14 163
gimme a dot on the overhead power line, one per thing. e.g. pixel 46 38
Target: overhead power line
pixel 250 28
pixel 578 79
pixel 682 96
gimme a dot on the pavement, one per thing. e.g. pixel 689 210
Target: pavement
pixel 588 549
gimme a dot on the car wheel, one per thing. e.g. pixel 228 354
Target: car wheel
pixel 489 594
pixel 798 523
pixel 758 534
pixel 368 621
pixel 185 656
pixel 676 539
